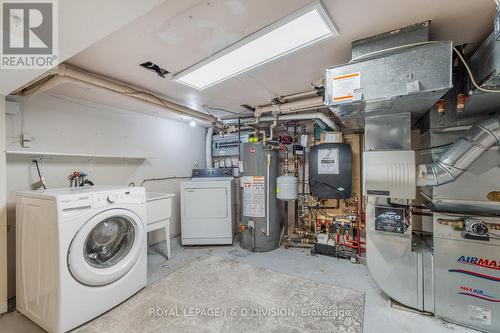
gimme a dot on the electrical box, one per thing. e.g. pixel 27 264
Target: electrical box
pixel 330 171
pixel 225 146
pixel 390 174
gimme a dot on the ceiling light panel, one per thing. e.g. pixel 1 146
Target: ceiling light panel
pixel 301 29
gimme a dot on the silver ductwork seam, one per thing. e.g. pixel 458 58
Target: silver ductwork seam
pixel 460 156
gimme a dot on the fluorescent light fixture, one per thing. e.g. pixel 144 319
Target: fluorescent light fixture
pixel 301 29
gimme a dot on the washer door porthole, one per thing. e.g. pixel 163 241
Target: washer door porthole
pixel 109 241
pixel 106 247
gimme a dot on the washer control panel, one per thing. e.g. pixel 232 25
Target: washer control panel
pixel 119 197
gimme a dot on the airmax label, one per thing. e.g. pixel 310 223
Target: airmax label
pixel 480 262
pixel 477 293
pixel 489 264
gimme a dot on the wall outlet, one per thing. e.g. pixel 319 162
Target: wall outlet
pixel 33 163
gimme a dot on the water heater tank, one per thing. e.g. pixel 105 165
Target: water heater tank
pixel 287 187
pixel 260 221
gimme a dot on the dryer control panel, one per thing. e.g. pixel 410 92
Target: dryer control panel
pixel 213 172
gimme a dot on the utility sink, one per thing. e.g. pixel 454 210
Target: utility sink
pixel 151 196
pixel 159 206
pixel 159 211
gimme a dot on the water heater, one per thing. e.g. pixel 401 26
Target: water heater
pixel 260 225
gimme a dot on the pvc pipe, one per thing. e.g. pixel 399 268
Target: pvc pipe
pixel 208 147
pixel 271 130
pixel 304 94
pixel 300 105
pixel 299 116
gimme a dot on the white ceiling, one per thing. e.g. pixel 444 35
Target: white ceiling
pixel 98 96
pixel 179 33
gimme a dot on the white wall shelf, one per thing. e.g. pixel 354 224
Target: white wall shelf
pixel 55 154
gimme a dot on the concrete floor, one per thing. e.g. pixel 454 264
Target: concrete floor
pixel 379 315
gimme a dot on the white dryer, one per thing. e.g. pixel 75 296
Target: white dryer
pixel 208 208
pixel 79 252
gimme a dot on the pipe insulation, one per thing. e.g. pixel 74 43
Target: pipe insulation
pixel 299 116
pixel 295 106
pixel 69 74
pixel 461 155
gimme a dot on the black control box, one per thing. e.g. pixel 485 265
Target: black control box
pixel 330 171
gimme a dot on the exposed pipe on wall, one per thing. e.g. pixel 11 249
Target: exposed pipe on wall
pixel 69 74
pixel 271 129
pixel 460 156
pixel 158 179
pixel 208 147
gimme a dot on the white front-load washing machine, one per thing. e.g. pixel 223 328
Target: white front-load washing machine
pixel 79 252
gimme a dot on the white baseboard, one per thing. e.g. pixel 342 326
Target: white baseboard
pixel 3 307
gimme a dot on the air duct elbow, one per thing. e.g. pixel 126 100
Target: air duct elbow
pixel 461 155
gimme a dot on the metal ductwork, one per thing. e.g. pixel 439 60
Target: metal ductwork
pixel 460 156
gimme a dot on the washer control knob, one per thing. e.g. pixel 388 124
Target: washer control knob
pixel 112 198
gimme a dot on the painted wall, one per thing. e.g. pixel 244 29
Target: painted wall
pixel 58 124
pixel 3 221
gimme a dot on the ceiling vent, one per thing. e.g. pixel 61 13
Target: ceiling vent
pixel 155 68
pixel 248 107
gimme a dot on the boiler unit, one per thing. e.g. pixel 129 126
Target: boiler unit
pixel 260 226
pixel 330 171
